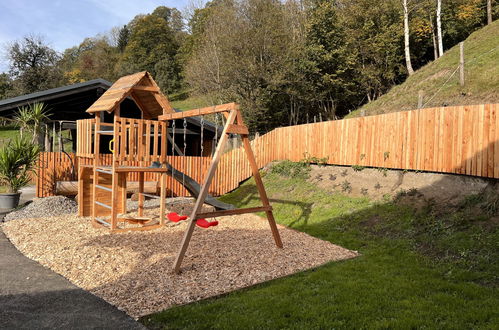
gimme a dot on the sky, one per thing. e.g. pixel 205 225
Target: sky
pixel 65 23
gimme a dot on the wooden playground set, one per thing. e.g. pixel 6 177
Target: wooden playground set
pixel 102 189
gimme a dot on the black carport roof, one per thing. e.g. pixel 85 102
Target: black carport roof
pixel 53 93
pixel 74 99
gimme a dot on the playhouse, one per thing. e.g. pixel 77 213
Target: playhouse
pixel 140 147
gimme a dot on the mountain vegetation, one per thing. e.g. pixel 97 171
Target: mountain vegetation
pixel 286 62
pixel 438 81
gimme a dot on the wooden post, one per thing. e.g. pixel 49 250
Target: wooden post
pixel 461 63
pixel 96 163
pixel 261 190
pixel 141 194
pixel 53 136
pixel 420 98
pixel 162 199
pixel 114 178
pixel 59 137
pixel 47 140
pixel 202 194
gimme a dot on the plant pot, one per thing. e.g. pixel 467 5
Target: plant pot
pixel 9 201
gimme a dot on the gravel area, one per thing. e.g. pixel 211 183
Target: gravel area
pixel 44 207
pixel 133 270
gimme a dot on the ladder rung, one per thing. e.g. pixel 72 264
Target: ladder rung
pixel 151 196
pixel 103 205
pixel 103 188
pixel 104 222
pixel 106 132
pixel 104 171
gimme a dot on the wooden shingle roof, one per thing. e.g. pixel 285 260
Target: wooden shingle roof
pixel 142 89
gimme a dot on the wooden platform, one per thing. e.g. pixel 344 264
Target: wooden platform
pixel 123 169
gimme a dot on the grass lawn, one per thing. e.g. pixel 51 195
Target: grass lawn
pixel 7 133
pixel 192 102
pixel 429 268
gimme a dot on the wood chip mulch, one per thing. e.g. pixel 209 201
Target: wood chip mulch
pixel 133 270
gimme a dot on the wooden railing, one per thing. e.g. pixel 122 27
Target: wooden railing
pixel 133 139
pixel 461 140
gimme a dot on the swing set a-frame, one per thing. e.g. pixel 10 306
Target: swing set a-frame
pixel 102 189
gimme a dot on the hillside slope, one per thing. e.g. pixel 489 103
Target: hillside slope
pixel 439 80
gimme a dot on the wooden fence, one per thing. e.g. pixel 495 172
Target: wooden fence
pixel 462 140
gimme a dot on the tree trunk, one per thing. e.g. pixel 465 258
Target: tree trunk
pixel 434 39
pixel 439 29
pixel 489 12
pixel 406 39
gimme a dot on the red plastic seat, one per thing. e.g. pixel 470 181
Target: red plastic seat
pixel 206 224
pixel 174 217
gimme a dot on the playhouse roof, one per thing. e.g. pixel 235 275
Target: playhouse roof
pixel 142 89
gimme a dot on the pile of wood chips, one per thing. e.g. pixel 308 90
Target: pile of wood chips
pixel 133 270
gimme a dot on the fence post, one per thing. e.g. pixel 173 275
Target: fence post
pixel 420 98
pixel 461 63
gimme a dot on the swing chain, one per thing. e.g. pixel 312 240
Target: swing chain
pixel 185 134
pixel 202 136
pixel 185 148
pixel 173 154
pixel 216 129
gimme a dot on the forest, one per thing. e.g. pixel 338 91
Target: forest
pixel 286 62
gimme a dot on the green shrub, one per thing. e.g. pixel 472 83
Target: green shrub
pixel 17 161
pixel 309 159
pixel 357 168
pixel 291 169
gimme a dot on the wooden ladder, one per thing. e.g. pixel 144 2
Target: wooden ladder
pixel 96 187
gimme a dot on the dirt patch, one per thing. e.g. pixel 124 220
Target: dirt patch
pixel 133 270
pixel 443 189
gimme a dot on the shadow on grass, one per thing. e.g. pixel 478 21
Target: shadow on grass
pixel 248 195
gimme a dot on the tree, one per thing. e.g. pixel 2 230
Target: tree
pixel 327 48
pixel 33 65
pixel 152 41
pixel 93 58
pixel 489 11
pixel 30 118
pixel 123 36
pixel 5 86
pixel 375 41
pixel 439 29
pixel 407 48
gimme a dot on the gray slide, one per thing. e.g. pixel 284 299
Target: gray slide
pixel 193 187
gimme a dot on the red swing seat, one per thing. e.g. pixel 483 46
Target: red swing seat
pixel 203 223
pixel 174 217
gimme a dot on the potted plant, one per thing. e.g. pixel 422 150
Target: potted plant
pixel 17 162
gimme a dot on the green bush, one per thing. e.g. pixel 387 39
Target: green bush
pixel 309 159
pixel 291 169
pixel 17 161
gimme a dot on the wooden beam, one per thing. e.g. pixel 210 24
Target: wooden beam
pixel 199 112
pixel 202 194
pixel 238 129
pixel 234 212
pixel 146 89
